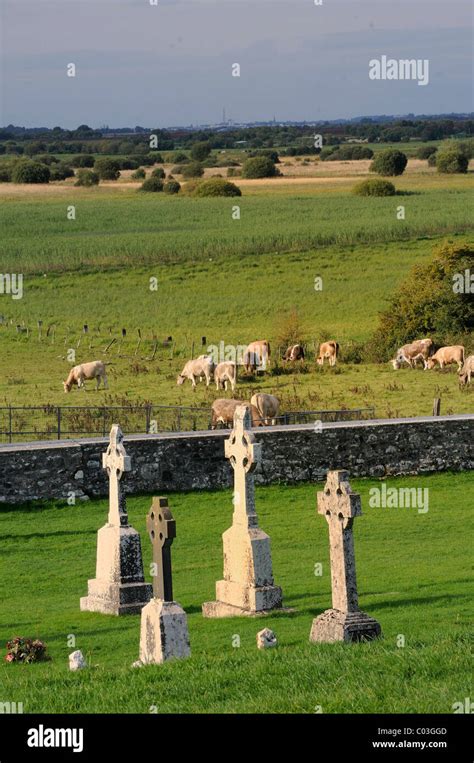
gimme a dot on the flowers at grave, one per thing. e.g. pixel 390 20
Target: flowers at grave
pixel 26 650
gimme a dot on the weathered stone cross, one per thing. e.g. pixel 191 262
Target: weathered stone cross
pixel 244 455
pixel 162 530
pixel 116 462
pixel 340 505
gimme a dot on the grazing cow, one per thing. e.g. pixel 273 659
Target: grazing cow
pixel 267 406
pixel 466 371
pixel 294 352
pixel 200 367
pixel 446 355
pixel 225 372
pixel 420 349
pixel 257 356
pixel 222 412
pixel 93 370
pixel 328 350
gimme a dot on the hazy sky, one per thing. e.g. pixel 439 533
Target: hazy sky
pixel 170 64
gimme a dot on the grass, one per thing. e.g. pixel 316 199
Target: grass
pixel 413 576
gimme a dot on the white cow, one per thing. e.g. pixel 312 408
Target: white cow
pixel 79 374
pixel 267 406
pixel 225 372
pixel 466 371
pixel 446 355
pixel 203 366
pixel 411 353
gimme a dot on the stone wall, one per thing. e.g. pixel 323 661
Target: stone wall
pixel 195 461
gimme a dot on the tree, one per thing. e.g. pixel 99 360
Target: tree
pixel 192 170
pixel 171 187
pixel 152 185
pixel 200 151
pixel 426 302
pixel 158 173
pixel 107 169
pixel 451 160
pixel 87 178
pixel 139 174
pixel 61 172
pixel 389 162
pixel 30 172
pixel 259 167
pixel 424 152
pixel 374 187
pixel 217 187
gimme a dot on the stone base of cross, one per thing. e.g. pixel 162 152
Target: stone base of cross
pixel 247 587
pixel 119 587
pixel 345 621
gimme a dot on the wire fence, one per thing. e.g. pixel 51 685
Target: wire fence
pixel 50 422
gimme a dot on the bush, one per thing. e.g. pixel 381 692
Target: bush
pixel 273 155
pixel 150 160
pixel 87 178
pixel 157 158
pixel 5 174
pixel 424 152
pixel 426 303
pixel 107 169
pixel 30 172
pixel 327 152
pixel 179 158
pixel 348 153
pixel 389 162
pixel 200 151
pixel 259 167
pixel 128 164
pixel 432 160
pixel 61 172
pixel 172 186
pixel 152 185
pixel 139 174
pixel 374 187
pixel 217 187
pixel 158 173
pixel 177 170
pixel 47 159
pixel 192 170
pixel 83 160
pixel 232 172
pixel 451 160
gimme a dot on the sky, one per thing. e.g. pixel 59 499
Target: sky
pixel 171 63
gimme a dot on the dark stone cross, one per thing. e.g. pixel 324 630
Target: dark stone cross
pixel 162 530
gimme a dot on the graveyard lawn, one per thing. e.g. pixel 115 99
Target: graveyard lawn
pixel 412 571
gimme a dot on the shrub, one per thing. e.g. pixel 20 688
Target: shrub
pixel 83 160
pixel 374 187
pixel 289 329
pixel 87 178
pixel 192 170
pixel 61 172
pixel 259 167
pixel 30 172
pixel 432 160
pixel 152 185
pixel 47 159
pixel 107 169
pixel 426 303
pixel 451 160
pixel 233 172
pixel 348 153
pixel 177 170
pixel 5 174
pixel 200 151
pixel 327 152
pixel 128 164
pixel 139 174
pixel 172 186
pixel 150 160
pixel 424 152
pixel 273 155
pixel 389 162
pixel 157 158
pixel 217 187
pixel 179 157
pixel 158 173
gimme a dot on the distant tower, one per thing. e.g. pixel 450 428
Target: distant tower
pixel 223 116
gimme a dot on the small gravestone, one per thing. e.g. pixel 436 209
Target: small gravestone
pixel 266 639
pixel 77 661
pixel 345 621
pixel 164 628
pixel 247 587
pixel 119 587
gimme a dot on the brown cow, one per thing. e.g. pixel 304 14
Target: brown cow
pixel 420 349
pixel 294 352
pixel 222 412
pixel 267 406
pixel 328 350
pixel 257 356
pixel 79 374
pixel 446 355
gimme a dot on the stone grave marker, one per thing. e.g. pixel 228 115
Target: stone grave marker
pixel 247 587
pixel 345 621
pixel 119 587
pixel 164 628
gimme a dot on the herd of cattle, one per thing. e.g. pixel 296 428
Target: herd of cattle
pixel 264 407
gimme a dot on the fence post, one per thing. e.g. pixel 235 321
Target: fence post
pixel 147 419
pixel 10 419
pixel 59 422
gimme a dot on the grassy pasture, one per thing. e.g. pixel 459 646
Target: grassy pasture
pixel 406 579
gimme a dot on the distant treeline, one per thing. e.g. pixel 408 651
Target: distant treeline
pixel 293 139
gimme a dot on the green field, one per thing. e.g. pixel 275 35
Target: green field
pixel 406 580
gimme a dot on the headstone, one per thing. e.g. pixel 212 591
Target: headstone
pixel 77 660
pixel 119 587
pixel 266 639
pixel 164 627
pixel 247 587
pixel 345 621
